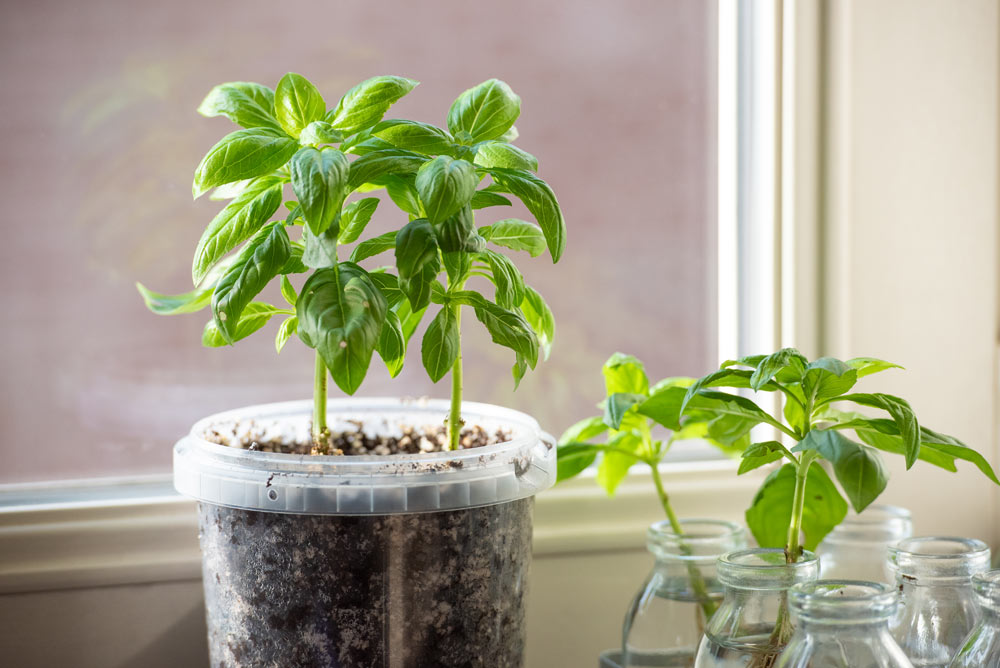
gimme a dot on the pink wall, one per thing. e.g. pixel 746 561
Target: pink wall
pixel 100 140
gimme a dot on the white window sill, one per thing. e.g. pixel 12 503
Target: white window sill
pixel 100 533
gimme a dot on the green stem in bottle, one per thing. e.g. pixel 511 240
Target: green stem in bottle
pixel 793 549
pixel 455 421
pixel 320 433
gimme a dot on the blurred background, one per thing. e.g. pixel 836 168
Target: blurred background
pixel 101 140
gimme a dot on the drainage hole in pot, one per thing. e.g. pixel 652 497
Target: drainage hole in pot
pixel 272 494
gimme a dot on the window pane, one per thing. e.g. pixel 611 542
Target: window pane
pixel 100 140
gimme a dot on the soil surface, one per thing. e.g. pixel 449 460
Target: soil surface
pixel 422 590
pixel 413 440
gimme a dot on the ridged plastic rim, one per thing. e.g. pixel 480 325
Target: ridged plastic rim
pixel 368 484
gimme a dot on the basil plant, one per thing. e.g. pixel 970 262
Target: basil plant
pixel 438 178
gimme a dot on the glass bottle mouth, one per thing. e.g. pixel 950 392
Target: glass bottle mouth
pixel 842 601
pixel 702 540
pixel 877 524
pixel 987 588
pixel 765 569
pixel 940 558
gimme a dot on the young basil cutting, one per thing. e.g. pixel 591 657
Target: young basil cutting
pixel 290 141
pixel 800 498
pixel 632 410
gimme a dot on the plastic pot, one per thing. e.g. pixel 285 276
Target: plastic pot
pixel 401 560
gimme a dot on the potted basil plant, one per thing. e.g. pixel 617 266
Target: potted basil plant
pixel 667 617
pixel 799 503
pixel 367 532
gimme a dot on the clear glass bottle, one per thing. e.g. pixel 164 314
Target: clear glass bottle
pixel 934 577
pixel 842 624
pixel 752 625
pixel 982 645
pixel 667 616
pixel 856 549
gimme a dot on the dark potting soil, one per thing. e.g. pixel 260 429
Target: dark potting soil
pixel 425 590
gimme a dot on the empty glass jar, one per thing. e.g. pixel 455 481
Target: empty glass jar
pixel 667 617
pixel 938 609
pixel 982 645
pixel 856 549
pixel 752 625
pixel 842 624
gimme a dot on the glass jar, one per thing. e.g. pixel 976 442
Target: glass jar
pixel 842 623
pixel 752 625
pixel 934 577
pixel 667 617
pixel 982 645
pixel 856 549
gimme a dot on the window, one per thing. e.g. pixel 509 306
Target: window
pixel 101 139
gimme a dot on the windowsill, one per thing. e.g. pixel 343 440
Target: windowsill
pixel 113 532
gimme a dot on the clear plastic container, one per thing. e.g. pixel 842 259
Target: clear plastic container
pixel 842 624
pixel 934 579
pixel 752 625
pixel 667 617
pixel 982 646
pixel 400 560
pixel 856 549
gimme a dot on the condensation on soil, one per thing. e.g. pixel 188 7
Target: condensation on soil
pixel 396 591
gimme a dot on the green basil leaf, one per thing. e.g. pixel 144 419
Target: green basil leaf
pixel 254 317
pixel 828 377
pixel 319 132
pixel 617 405
pixel 243 154
pixel 320 250
pixel 541 202
pixel 341 313
pixel 883 434
pixel 866 366
pixel 788 360
pixel 625 373
pixel 859 469
pixel 389 285
pixel 445 185
pixel 229 190
pixel 247 104
pixel 540 317
pixel 416 247
pixel 439 349
pixel 483 112
pixel 507 278
pixel 295 264
pixel 374 246
pixel 379 163
pixel 245 279
pixel 189 302
pixel 516 235
pixel 236 223
pixel 573 458
pixel 952 447
pixel 355 218
pixel 403 193
pixel 770 513
pixel 415 136
pixel 285 332
pixel 584 430
pixel 288 291
pixel 297 103
pixel 391 346
pixel 664 406
pixel 722 403
pixel 901 413
pixel 319 179
pixel 760 454
pixel 457 234
pixel 364 105
pixel 509 329
pixel 363 144
pixel 484 198
pixel 615 463
pixel 418 287
pixel 500 154
pixel 724 377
